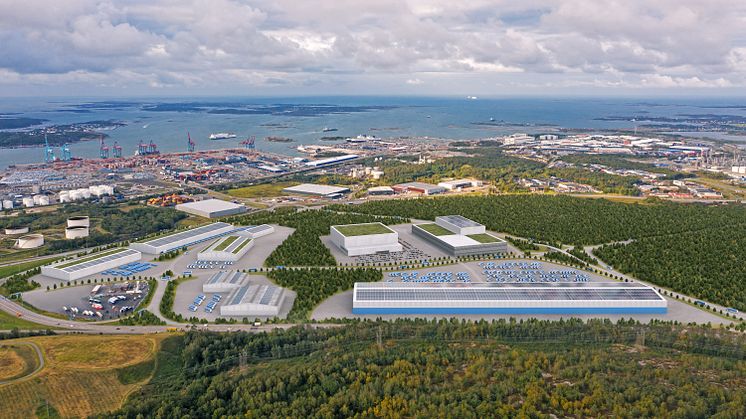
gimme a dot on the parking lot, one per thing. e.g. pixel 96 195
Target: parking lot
pixel 91 301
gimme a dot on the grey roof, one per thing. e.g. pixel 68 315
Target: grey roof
pixel 460 221
pixel 226 277
pixel 476 292
pixel 257 294
pixel 94 262
pixel 173 238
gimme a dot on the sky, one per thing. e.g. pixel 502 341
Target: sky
pixel 380 47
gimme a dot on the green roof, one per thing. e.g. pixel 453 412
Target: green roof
pixel 89 258
pixel 363 229
pixel 225 243
pixel 484 238
pixel 435 229
pixel 241 246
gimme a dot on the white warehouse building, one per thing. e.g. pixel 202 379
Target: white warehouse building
pixel 211 208
pixel 254 300
pixel 365 239
pixel 183 238
pixel 75 269
pixel 229 248
pixel 223 282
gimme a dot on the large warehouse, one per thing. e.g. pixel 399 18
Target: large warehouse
pixel 460 236
pixel 325 191
pixel 365 239
pixel 211 208
pixel 507 298
pixel 184 238
pixel 223 282
pixel 254 300
pixel 228 248
pixel 91 264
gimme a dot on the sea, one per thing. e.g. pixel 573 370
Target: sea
pixel 166 121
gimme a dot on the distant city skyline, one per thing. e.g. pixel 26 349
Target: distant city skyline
pixel 407 48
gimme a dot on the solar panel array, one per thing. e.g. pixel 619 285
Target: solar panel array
pixel 173 238
pixel 94 262
pixel 464 293
pixel 257 294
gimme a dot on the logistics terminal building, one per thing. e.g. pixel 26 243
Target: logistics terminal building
pixel 459 236
pixel 507 298
pixel 211 208
pixel 75 269
pixel 365 239
pixel 254 300
pixel 183 238
pixel 229 248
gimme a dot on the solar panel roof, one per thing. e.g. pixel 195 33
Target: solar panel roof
pixel 173 238
pixel 94 262
pixel 460 221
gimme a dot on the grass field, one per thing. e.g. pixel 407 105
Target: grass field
pixel 6 271
pixel 483 238
pixel 83 375
pixel 265 190
pixel 435 229
pixel 363 229
pixel 241 246
pixel 16 360
pixel 8 322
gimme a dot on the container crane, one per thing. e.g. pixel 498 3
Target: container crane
pixel 249 143
pixel 103 149
pixel 152 148
pixel 142 148
pixel 190 143
pixel 67 155
pixel 48 151
pixel 117 150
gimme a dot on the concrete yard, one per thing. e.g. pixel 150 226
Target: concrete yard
pixel 188 291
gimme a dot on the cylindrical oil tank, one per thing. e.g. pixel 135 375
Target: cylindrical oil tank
pixel 44 200
pixel 30 241
pixel 76 232
pixel 13 231
pixel 28 202
pixel 7 204
pixel 79 221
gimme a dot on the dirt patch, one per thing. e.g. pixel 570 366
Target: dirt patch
pixel 11 364
pixel 94 352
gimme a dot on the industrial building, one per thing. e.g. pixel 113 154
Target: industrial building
pixel 91 264
pixel 223 282
pixel 257 231
pixel 571 298
pixel 228 248
pixel 332 160
pixel 418 187
pixel 254 300
pixel 454 185
pixel 381 190
pixel 460 236
pixel 365 239
pixel 325 191
pixel 211 208
pixel 184 238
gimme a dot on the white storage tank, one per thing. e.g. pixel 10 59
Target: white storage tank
pixel 108 189
pixel 86 193
pixel 30 241
pixel 28 202
pixel 79 221
pixel 64 196
pixel 13 231
pixel 7 204
pixel 75 195
pixel 76 232
pixel 44 200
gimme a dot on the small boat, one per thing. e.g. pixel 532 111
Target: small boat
pixel 326 129
pixel 222 136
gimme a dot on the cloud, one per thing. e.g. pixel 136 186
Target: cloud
pixel 370 46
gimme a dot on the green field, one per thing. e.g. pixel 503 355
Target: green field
pixel 88 259
pixel 225 243
pixel 435 229
pixel 363 229
pixel 241 246
pixel 484 238
pixel 265 190
pixel 9 321
pixel 9 270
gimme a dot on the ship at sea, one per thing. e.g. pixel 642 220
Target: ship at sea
pixel 222 136
pixel 327 129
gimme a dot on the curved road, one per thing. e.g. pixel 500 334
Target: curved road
pixel 39 365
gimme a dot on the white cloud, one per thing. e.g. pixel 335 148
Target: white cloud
pixel 370 45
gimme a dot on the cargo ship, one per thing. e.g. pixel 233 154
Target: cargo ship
pixel 222 136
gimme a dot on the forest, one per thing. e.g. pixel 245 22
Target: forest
pixel 709 264
pixel 450 368
pixel 304 247
pixel 315 285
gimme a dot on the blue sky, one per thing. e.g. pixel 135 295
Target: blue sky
pixel 290 47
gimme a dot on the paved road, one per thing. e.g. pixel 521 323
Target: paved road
pixel 39 366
